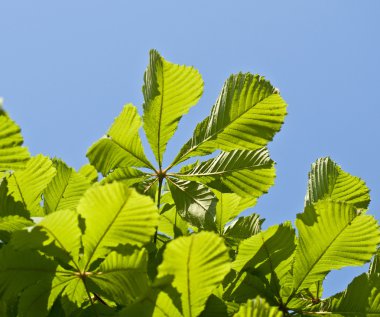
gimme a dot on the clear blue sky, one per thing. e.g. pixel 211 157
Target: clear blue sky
pixel 67 67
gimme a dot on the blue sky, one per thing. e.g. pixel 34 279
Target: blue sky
pixel 66 69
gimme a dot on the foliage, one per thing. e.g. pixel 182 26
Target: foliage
pixel 168 241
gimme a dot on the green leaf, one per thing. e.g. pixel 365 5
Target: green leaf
pixel 66 188
pixel 62 228
pixel 243 228
pixel 332 235
pixel 115 214
pixel 128 175
pixel 362 298
pixel 8 205
pixel 246 116
pixel 328 180
pixel 28 185
pixel 13 155
pixel 258 308
pixel 194 202
pixel 198 264
pixel 10 224
pixel 122 277
pixel 122 146
pixel 268 254
pixel 228 207
pixel 16 273
pixel 170 90
pixel 171 223
pixel 246 173
pixel 89 172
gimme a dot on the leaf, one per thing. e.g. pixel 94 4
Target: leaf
pixel 10 224
pixel 268 254
pixel 28 185
pixel 13 155
pixel 328 180
pixel 128 175
pixel 89 172
pixel 194 202
pixel 198 264
pixel 122 146
pixel 16 273
pixel 362 298
pixel 246 173
pixel 246 116
pixel 258 308
pixel 243 228
pixel 8 205
pixel 62 228
pixel 332 235
pixel 66 188
pixel 228 207
pixel 170 90
pixel 122 277
pixel 171 223
pixel 115 214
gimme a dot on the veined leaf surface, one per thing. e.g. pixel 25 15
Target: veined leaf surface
pixel 66 188
pixel 27 185
pixel 258 307
pixel 198 264
pixel 246 116
pixel 122 146
pixel 328 180
pixel 246 173
pixel 194 202
pixel 12 154
pixel 169 90
pixel 115 214
pixel 345 237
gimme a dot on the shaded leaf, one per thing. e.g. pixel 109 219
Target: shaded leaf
pixel 258 308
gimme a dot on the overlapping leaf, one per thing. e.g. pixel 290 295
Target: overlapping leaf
pixel 122 146
pixel 198 264
pixel 194 202
pixel 345 237
pixel 66 188
pixel 328 180
pixel 27 185
pixel 12 154
pixel 246 116
pixel 246 173
pixel 258 308
pixel 169 92
pixel 114 215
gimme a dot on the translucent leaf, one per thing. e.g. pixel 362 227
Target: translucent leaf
pixel 197 264
pixel 122 146
pixel 194 202
pixel 13 155
pixel 122 277
pixel 66 188
pixel 10 224
pixel 243 228
pixel 328 180
pixel 258 308
pixel 115 214
pixel 228 207
pixel 246 116
pixel 27 185
pixel 246 173
pixel 170 90
pixel 268 254
pixel 332 235
pixel 171 223
pixel 89 172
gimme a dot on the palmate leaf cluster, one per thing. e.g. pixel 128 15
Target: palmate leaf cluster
pixel 148 240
